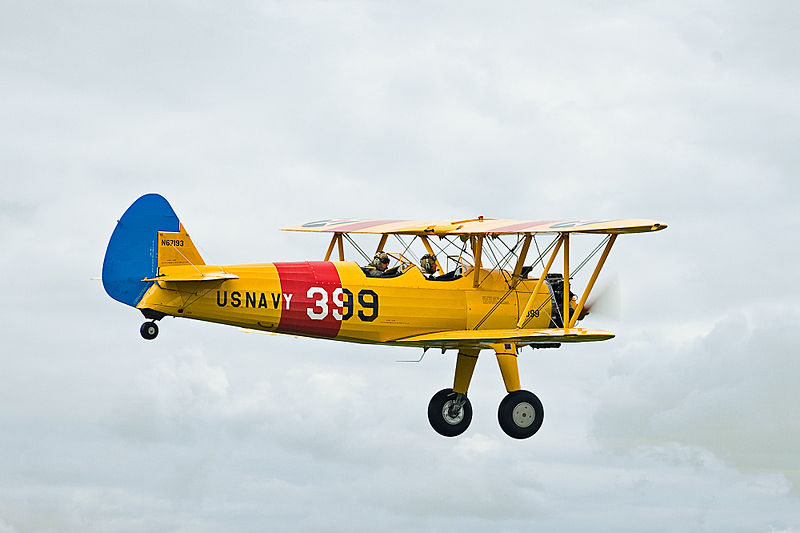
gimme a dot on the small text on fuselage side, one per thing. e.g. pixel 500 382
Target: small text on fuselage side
pixel 253 299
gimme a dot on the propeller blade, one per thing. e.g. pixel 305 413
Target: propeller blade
pixel 605 300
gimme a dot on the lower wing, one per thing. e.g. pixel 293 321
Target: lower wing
pixel 486 337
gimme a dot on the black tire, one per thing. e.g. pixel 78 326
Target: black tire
pixel 439 419
pixel 520 414
pixel 149 330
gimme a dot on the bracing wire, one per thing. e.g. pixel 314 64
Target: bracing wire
pixel 407 247
pixel 589 257
pixel 357 247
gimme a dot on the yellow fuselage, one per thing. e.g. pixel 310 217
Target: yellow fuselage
pixel 338 300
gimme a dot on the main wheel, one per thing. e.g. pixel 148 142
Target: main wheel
pixel 149 330
pixel 449 413
pixel 520 414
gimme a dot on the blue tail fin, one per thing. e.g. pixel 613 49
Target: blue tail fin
pixel 132 252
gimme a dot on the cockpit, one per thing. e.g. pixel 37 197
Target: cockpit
pixel 392 265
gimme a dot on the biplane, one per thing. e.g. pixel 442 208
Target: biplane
pixel 478 291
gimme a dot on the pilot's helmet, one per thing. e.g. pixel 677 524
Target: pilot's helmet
pixel 380 258
pixel 428 263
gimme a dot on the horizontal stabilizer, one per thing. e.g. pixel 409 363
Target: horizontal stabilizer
pixel 194 273
pixel 486 337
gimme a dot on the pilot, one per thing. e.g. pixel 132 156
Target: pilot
pixel 428 264
pixel 379 265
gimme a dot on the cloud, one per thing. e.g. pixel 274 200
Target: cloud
pixel 730 391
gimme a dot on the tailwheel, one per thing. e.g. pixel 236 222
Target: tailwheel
pixel 449 413
pixel 520 414
pixel 149 330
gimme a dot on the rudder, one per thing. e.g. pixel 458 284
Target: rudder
pixel 148 235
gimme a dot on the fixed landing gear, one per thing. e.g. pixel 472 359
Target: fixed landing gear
pixel 520 414
pixel 449 413
pixel 149 330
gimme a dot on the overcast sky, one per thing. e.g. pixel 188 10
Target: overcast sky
pixel 250 116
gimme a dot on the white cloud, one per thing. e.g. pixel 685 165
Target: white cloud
pixel 730 391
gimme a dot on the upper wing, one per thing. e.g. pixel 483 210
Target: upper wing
pixel 485 338
pixel 479 226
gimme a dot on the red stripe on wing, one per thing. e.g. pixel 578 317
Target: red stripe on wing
pixel 345 228
pixel 310 306
pixel 519 226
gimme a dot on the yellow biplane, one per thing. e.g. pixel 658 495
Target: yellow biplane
pixel 473 290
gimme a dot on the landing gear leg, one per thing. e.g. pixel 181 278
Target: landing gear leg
pixel 521 412
pixel 450 411
pixel 149 330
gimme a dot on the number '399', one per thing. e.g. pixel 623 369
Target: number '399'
pixel 343 304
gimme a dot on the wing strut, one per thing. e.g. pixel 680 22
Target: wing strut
pixel 478 247
pixel 426 242
pixel 382 243
pixel 565 309
pixel 336 239
pixel 517 277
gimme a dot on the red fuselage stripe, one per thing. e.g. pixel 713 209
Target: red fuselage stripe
pixel 310 287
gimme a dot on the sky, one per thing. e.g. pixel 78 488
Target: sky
pixel 250 116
